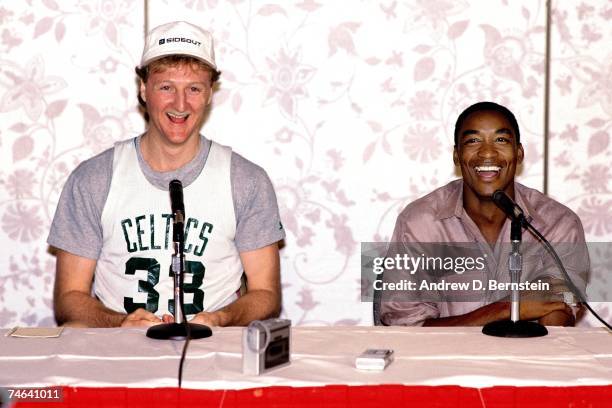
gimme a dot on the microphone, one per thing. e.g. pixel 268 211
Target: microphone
pixel 513 327
pixel 178 211
pixel 512 209
pixel 515 212
pixel 180 329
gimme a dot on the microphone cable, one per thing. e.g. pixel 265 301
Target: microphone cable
pixel 566 276
pixel 514 211
pixel 187 332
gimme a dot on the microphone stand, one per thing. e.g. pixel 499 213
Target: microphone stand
pixel 512 210
pixel 515 327
pixel 180 329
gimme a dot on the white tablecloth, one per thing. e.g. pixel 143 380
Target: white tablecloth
pixel 320 356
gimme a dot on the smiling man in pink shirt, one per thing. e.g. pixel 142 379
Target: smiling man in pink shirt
pixel 487 151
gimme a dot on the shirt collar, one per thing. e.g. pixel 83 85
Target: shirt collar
pixel 453 206
pixel 520 196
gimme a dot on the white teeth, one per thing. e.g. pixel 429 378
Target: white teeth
pixel 487 168
pixel 177 115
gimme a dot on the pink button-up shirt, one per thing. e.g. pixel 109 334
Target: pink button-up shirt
pixel 439 217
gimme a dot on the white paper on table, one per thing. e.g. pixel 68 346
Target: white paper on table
pixel 38 332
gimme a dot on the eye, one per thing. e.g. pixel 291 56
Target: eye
pixel 164 87
pixel 502 139
pixel 471 141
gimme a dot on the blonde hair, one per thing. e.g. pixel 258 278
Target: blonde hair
pixel 173 61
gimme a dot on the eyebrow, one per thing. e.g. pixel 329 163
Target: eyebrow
pixel 469 132
pixel 502 131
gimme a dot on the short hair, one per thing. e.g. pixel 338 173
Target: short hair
pixel 172 61
pixel 487 106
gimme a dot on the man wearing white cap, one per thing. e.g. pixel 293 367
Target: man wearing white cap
pixel 112 227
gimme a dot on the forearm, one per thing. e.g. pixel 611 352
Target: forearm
pixel 254 305
pixel 78 308
pixel 478 317
pixel 558 318
pixel 548 313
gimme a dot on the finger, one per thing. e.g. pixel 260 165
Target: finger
pixel 201 318
pixel 142 314
pixel 580 310
pixel 206 318
pixel 562 307
pixel 140 323
pixel 197 319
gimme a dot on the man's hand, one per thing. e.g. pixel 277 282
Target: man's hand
pixel 558 318
pixel 531 310
pixel 262 300
pixel 140 318
pixel 549 313
pixel 210 319
pixel 548 306
pixel 554 294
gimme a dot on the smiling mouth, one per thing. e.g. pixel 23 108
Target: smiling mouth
pixel 487 171
pixel 177 117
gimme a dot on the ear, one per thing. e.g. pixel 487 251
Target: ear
pixel 520 154
pixel 455 156
pixel 143 91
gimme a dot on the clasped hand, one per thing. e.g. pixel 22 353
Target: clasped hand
pixel 143 318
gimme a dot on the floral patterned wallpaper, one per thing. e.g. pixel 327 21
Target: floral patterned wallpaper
pixel 350 109
pixel 67 92
pixel 581 125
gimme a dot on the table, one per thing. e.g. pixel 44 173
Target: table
pixel 453 366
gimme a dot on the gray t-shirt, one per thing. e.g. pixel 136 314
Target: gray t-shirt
pixel 77 227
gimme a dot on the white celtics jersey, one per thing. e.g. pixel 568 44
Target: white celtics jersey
pixel 133 269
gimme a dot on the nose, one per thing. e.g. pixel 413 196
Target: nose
pixel 487 150
pixel 180 101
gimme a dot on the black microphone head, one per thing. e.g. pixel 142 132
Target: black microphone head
pixel 176 196
pixel 499 196
pixel 503 201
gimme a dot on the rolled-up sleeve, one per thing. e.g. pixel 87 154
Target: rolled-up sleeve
pixel 397 307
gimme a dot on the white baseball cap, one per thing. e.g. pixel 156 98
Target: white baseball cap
pixel 178 38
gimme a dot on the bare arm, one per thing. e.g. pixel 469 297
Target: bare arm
pixel 558 318
pixel 72 301
pixel 263 297
pixel 546 307
pixel 549 313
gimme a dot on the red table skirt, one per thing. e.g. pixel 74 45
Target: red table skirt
pixel 387 396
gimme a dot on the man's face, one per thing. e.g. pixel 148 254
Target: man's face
pixel 488 153
pixel 176 98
